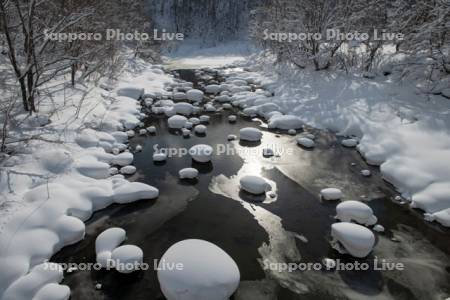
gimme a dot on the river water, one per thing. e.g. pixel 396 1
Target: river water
pixel 294 226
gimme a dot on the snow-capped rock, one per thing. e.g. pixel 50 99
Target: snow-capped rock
pixel 250 134
pixel 106 242
pixel 366 173
pixel 349 143
pixel 210 108
pixel 201 153
pixel 331 194
pixel 254 184
pixel 204 119
pixel 159 156
pixel 183 108
pixel 349 211
pixel 179 96
pixel 194 95
pixel 212 89
pixel 127 258
pixel 185 132
pixel 200 129
pixel 357 240
pixel 177 122
pixel 151 129
pixel 195 121
pixel 188 173
pixel 305 142
pixel 378 228
pixel 232 118
pixel 207 272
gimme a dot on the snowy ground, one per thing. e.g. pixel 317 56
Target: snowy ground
pixel 189 56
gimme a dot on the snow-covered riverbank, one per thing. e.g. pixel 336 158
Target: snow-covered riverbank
pixel 56 180
pixel 404 131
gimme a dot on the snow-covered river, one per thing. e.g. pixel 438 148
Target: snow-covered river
pixel 292 227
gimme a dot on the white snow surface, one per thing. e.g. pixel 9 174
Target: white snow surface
pixel 53 184
pixel 207 273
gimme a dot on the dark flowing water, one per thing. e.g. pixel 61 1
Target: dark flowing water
pixel 297 223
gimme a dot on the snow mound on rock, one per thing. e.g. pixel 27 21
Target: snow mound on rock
pixel 200 129
pixel 250 134
pixel 349 143
pixel 127 258
pixel 212 89
pixel 357 240
pixel 188 173
pixel 177 122
pixel 184 108
pixel 305 142
pixel 349 211
pixel 106 242
pixel 194 95
pixel 201 153
pixel 331 194
pixel 254 184
pixel 207 273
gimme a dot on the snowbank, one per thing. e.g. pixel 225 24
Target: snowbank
pixel 206 272
pixel 60 184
